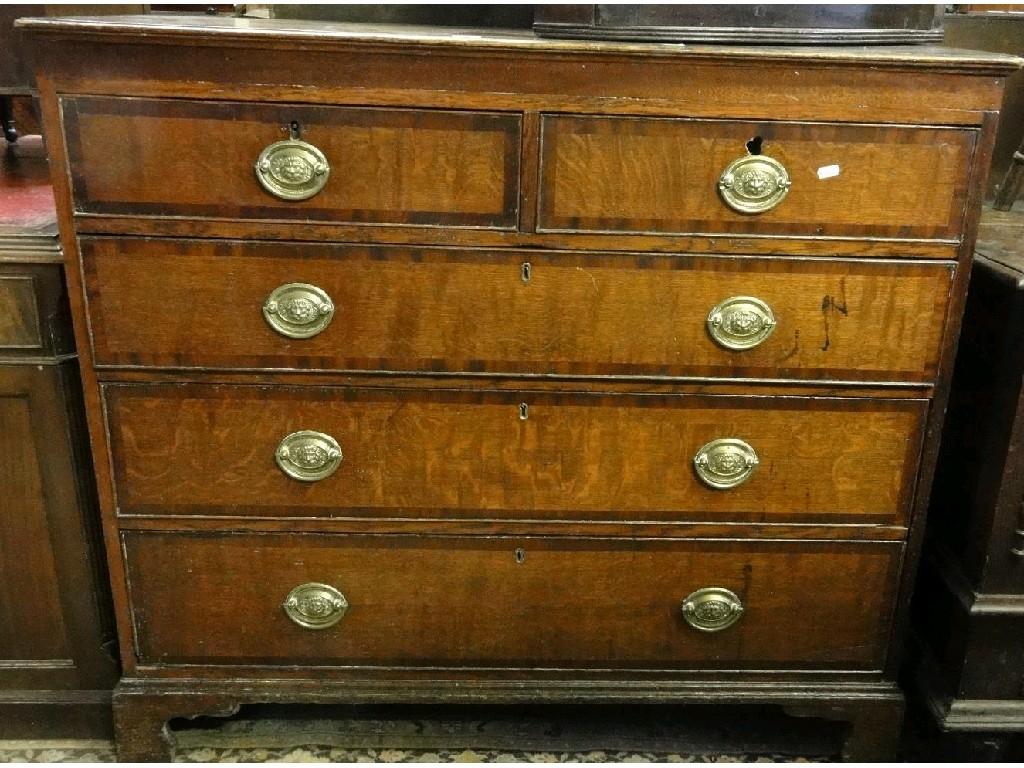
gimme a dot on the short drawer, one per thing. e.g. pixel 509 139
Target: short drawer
pixel 460 602
pixel 199 303
pixel 19 313
pixel 34 319
pixel 158 157
pixel 442 454
pixel 669 176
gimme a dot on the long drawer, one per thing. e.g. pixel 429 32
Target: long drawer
pixel 325 452
pixel 697 176
pixel 461 602
pixel 201 303
pixel 168 157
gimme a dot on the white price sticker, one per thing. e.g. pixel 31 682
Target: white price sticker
pixel 828 171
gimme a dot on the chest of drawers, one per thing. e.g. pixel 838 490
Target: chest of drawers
pixel 443 367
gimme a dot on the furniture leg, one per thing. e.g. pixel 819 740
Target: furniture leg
pixel 141 718
pixel 874 731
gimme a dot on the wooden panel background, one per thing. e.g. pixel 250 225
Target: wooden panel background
pixel 31 602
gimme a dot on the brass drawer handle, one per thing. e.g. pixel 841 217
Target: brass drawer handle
pixel 308 456
pixel 298 310
pixel 754 184
pixel 712 609
pixel 725 463
pixel 315 606
pixel 740 322
pixel 292 169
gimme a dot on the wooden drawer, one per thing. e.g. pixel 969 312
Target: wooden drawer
pixel 394 166
pixel 458 602
pixel 19 314
pixel 661 176
pixel 442 454
pixel 34 318
pixel 196 303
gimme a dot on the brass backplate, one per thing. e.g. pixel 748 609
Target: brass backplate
pixel 292 169
pixel 754 184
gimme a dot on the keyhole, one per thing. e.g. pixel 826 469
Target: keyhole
pixel 520 555
pixel 754 145
pixel 524 411
pixel 527 271
pixel 293 129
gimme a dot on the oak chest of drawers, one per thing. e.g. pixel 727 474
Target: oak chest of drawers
pixel 445 367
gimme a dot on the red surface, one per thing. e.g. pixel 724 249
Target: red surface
pixel 26 197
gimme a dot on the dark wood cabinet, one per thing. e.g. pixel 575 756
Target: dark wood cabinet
pixel 969 607
pixel 448 367
pixel 57 659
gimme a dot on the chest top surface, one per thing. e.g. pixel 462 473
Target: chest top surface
pixel 245 31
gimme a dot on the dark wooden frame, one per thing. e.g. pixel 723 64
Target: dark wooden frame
pixel 969 610
pixel 68 696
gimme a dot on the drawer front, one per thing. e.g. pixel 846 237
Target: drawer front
pixel 195 303
pixel 19 313
pixel 387 166
pixel 213 450
pixel 463 602
pixel 34 318
pixel 662 175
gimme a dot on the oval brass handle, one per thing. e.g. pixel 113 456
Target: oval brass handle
pixel 315 606
pixel 712 609
pixel 740 322
pixel 754 184
pixel 298 310
pixel 292 169
pixel 725 463
pixel 308 456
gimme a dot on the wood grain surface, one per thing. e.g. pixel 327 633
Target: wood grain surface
pixel 197 304
pixel 209 450
pixel 34 321
pixel 454 123
pixel 387 165
pixel 647 175
pixel 32 624
pixel 19 315
pixel 54 611
pixel 463 602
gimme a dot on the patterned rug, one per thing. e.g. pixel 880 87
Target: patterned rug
pixel 103 752
pixel 511 735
